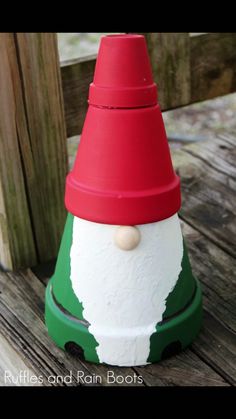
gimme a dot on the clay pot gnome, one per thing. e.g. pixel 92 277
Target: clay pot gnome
pixel 123 292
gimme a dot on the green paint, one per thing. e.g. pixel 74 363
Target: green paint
pixel 62 328
pixel 183 328
pixel 183 290
pixel 62 286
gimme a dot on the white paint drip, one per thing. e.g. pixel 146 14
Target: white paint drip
pixel 124 292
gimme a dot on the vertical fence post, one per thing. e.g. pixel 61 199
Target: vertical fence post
pixel 170 58
pixel 33 155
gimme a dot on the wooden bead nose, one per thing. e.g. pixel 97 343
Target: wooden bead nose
pixel 127 237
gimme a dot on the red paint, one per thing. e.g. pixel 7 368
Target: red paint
pixel 123 172
pixel 123 75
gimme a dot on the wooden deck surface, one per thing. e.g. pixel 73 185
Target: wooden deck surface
pixel 208 214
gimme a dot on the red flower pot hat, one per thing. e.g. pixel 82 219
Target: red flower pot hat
pixel 123 172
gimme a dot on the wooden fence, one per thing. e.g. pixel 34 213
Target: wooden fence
pixel 35 121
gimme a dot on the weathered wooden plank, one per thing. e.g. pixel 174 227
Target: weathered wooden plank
pixel 216 343
pixel 170 58
pixel 46 166
pixel 185 369
pixel 187 70
pixel 216 271
pixel 208 198
pixel 76 77
pixel 33 157
pixel 217 346
pixel 213 65
pixel 207 173
pixel 22 299
pixel 17 245
pixel 220 153
pixel 22 322
pixel 214 267
pixel 21 309
pixel 13 369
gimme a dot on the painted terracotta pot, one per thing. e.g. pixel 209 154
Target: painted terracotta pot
pixel 123 292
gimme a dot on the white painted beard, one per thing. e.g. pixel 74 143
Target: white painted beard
pixel 124 292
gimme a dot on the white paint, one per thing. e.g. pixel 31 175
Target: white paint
pixel 124 292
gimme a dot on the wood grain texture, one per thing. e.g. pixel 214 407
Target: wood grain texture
pixel 170 59
pixel 217 346
pixel 41 86
pixel 17 245
pixel 33 149
pixel 76 77
pixel 208 191
pixel 187 69
pixel 22 321
pixel 216 270
pixel 210 360
pixel 208 178
pixel 185 369
pixel 216 343
pixel 213 65
pixel 13 368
